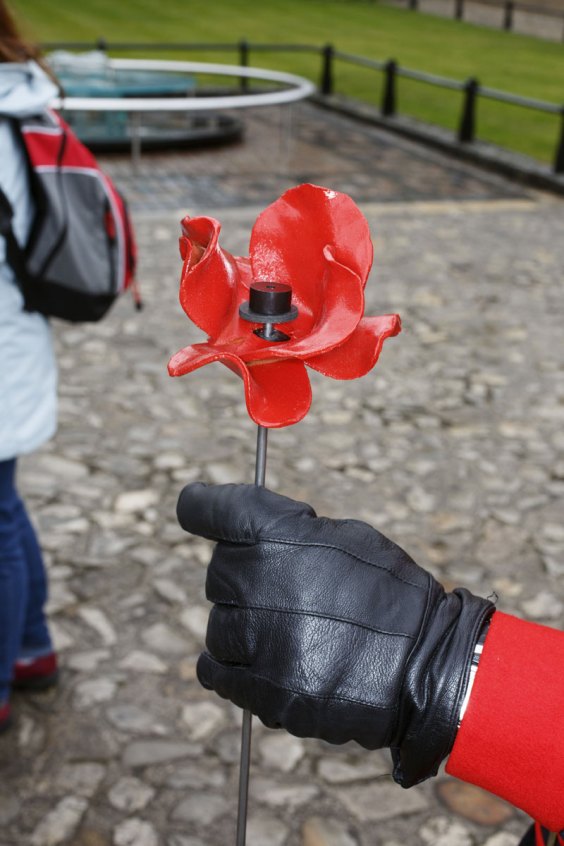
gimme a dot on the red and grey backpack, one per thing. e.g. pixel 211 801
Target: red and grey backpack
pixel 81 252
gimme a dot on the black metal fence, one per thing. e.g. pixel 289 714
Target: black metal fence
pixel 471 91
pixel 390 73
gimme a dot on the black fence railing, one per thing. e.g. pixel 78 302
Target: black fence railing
pixel 391 72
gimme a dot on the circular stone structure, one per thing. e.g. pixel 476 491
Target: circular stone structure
pixel 144 107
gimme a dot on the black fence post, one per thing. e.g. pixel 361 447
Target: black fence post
pixel 244 62
pixel 467 128
pixel 413 5
pixel 388 107
pixel 102 44
pixel 559 156
pixel 508 16
pixel 327 56
pixel 459 9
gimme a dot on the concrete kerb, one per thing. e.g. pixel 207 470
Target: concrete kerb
pixel 518 167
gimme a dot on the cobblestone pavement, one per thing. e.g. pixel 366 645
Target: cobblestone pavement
pixel 453 446
pixel 284 146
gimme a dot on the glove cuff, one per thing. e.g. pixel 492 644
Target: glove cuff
pixel 435 684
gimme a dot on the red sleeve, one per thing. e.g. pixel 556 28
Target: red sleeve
pixel 511 740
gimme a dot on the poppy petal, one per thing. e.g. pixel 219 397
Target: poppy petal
pixel 191 358
pixel 358 355
pixel 277 393
pixel 208 284
pixel 289 237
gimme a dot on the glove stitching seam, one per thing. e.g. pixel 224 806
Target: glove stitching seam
pixel 345 552
pixel 298 692
pixel 307 613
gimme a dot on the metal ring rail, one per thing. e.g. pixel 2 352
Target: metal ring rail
pixel 295 88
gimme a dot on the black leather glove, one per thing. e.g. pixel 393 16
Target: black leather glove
pixel 328 629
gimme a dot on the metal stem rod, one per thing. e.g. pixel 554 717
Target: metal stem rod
pixel 551 839
pixel 260 464
pixel 244 768
pixel 245 761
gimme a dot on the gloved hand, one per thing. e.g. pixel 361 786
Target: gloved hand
pixel 328 629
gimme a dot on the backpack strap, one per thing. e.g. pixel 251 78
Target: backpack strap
pixel 15 257
pixel 6 214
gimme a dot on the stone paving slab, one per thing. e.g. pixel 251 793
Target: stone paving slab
pixel 453 446
pixel 542 19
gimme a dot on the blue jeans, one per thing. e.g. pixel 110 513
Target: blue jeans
pixel 23 583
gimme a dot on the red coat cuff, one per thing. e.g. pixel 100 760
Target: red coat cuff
pixel 511 741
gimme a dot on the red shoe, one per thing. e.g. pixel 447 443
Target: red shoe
pixel 5 717
pixel 36 673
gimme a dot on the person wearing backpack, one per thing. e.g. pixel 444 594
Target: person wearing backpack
pixel 28 391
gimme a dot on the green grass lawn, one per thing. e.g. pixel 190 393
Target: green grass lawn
pixel 506 61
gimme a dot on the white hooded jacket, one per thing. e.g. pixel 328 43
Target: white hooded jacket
pixel 28 373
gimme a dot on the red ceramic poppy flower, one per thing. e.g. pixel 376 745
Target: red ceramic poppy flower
pixel 318 242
